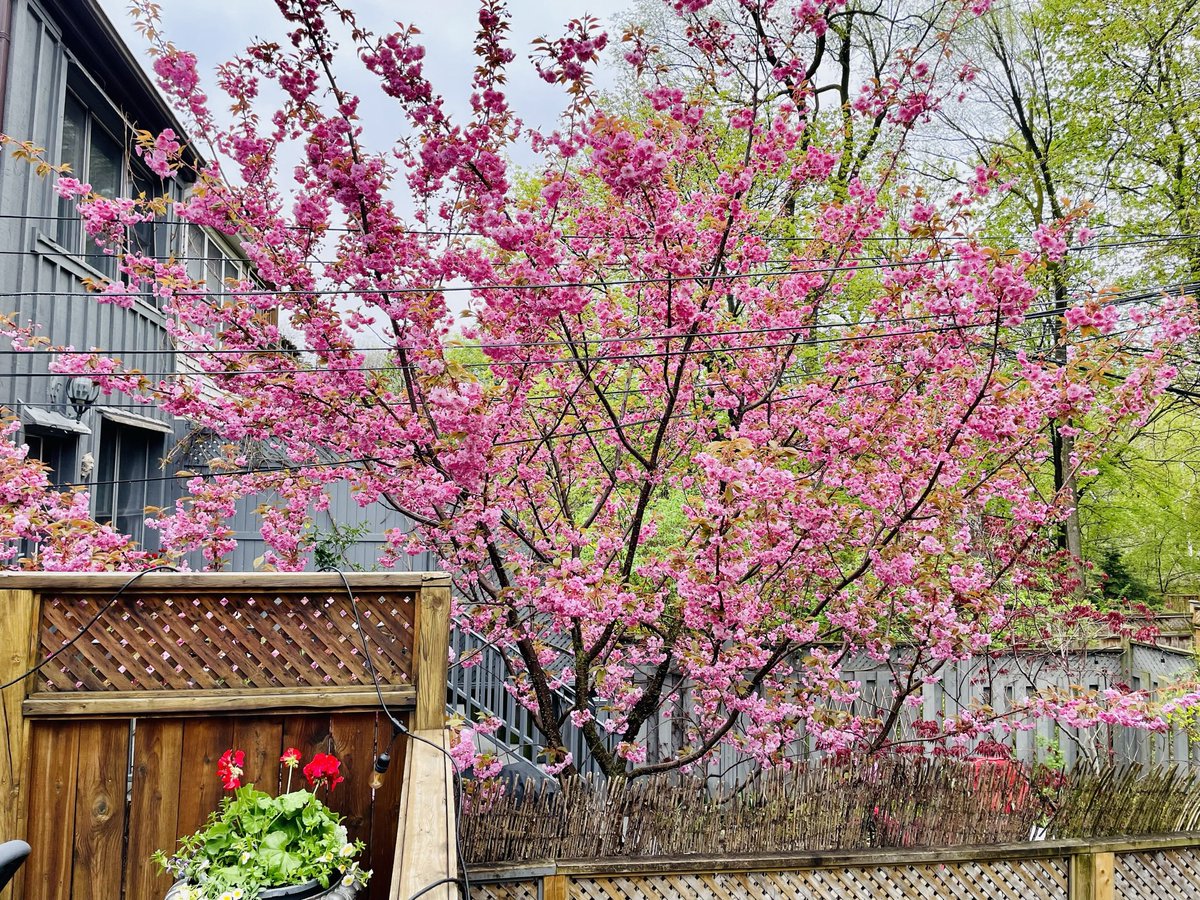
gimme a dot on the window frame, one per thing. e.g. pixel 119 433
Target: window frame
pixel 100 113
pixel 109 484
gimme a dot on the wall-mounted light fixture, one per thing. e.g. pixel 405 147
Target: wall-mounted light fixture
pixel 82 393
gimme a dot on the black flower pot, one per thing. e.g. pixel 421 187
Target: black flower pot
pixel 310 890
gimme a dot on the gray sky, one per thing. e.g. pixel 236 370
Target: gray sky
pixel 216 29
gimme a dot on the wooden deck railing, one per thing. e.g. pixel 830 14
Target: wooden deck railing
pixel 109 752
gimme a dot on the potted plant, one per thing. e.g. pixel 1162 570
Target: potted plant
pixel 259 847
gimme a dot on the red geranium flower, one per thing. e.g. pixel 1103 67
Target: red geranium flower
pixel 324 767
pixel 229 768
pixel 290 758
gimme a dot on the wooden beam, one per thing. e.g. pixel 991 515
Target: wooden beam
pixel 1092 861
pixel 426 843
pixel 206 582
pixel 431 657
pixel 18 647
pixel 555 887
pixel 1091 876
pixel 132 704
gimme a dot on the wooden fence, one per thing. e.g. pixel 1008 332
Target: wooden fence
pixel 109 752
pixel 1162 868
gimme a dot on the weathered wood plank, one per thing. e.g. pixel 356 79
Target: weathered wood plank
pixel 200 791
pixel 54 757
pixel 555 887
pixel 353 737
pixel 432 658
pixel 18 644
pixel 385 811
pixel 262 741
pixel 154 804
pixel 308 734
pixel 100 809
pixel 425 844
pixel 225 701
pixel 175 582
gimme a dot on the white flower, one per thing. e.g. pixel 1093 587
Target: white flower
pixel 245 857
pixel 348 881
pixel 236 893
pixel 347 850
pixel 227 896
pixel 327 857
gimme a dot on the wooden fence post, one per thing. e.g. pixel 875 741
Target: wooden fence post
pixel 554 887
pixel 18 647
pixel 1091 876
pixel 432 655
pixel 426 857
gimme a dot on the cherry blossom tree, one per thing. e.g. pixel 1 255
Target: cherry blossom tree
pixel 695 441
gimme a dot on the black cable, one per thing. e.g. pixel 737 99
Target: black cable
pixel 87 627
pixel 955 328
pixel 400 728
pixel 298 467
pixel 712 278
pixel 438 883
pixel 1119 298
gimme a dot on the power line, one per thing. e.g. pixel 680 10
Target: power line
pixel 1135 239
pixel 1077 248
pixel 443 289
pixel 434 232
pixel 590 359
pixel 764 402
pixel 554 285
pixel 1132 294
pixel 302 467
pixel 523 363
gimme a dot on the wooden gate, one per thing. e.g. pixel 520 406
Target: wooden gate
pixel 109 753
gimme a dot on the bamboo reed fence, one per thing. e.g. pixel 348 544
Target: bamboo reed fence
pixel 902 802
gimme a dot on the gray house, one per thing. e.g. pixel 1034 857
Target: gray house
pixel 68 84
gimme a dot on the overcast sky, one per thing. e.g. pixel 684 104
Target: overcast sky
pixel 217 29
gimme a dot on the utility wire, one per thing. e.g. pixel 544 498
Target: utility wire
pixel 533 286
pixel 244 261
pixel 547 439
pixel 1120 297
pixel 524 363
pixel 542 439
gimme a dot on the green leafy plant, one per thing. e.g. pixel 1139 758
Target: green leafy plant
pixel 329 547
pixel 255 841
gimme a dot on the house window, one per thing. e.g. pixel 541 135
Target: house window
pixel 126 479
pixel 96 155
pixel 211 262
pixel 57 452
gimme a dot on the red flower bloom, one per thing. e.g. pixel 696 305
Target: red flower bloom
pixel 324 767
pixel 229 768
pixel 290 758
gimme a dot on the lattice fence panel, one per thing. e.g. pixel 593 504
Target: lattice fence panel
pixel 505 890
pixel 268 640
pixel 1042 879
pixel 1157 875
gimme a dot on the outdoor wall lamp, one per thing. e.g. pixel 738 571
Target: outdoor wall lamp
pixel 82 392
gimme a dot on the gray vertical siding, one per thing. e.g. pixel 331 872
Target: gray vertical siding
pixel 42 285
pixel 363 555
